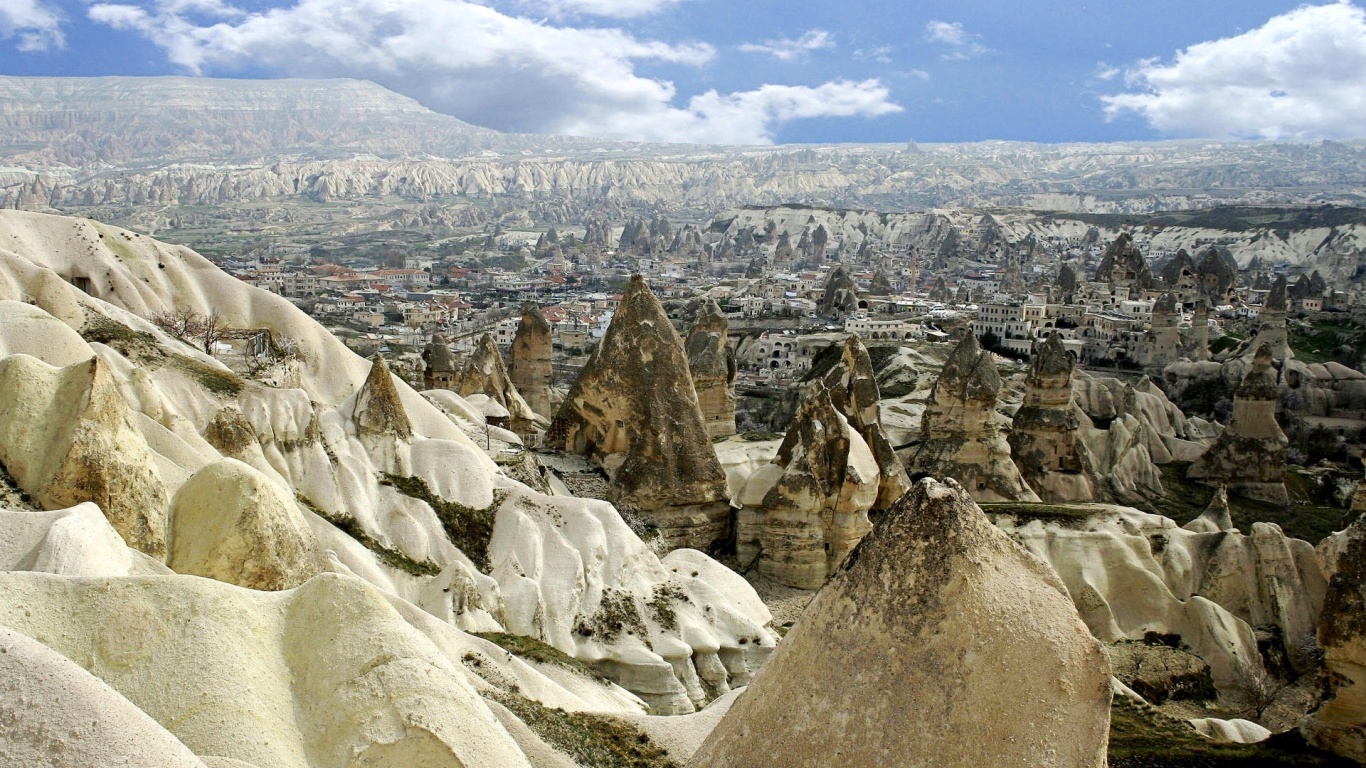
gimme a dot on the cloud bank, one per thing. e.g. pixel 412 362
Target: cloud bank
pixel 487 67
pixel 33 25
pixel 1301 76
pixel 960 43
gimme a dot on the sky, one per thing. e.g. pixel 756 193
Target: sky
pixel 762 71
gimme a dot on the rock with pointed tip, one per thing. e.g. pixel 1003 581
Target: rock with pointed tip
pixel 959 436
pixel 634 410
pixel 378 409
pixel 1250 455
pixel 972 645
pixel 712 364
pixel 1216 516
pixel 529 360
pixel 486 375
pixel 841 294
pixel 1045 441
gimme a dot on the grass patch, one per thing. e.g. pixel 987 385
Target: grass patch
pixel 756 437
pixel 590 739
pixel 469 529
pixel 1186 499
pixel 135 345
pixel 1049 513
pixel 531 649
pixel 390 557
pixel 1142 738
pixel 216 380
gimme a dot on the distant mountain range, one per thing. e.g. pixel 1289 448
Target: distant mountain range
pixel 82 144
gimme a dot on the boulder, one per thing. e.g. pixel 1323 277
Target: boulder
pixel 233 524
pixel 944 641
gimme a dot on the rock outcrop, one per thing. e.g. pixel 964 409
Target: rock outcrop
pixel 67 436
pixel 378 409
pixel 529 360
pixel 1162 342
pixel 1216 517
pixel 439 367
pixel 634 410
pixel 840 296
pixel 945 641
pixel 1339 724
pixel 1250 455
pixel 1045 441
pixel 486 375
pixel 231 523
pixel 1123 265
pixel 1271 323
pixel 712 364
pixel 802 513
pixel 959 435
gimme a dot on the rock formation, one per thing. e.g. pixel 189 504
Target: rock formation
pixel 959 434
pixel 231 523
pixel 712 363
pixel 1216 516
pixel 1218 275
pixel 1250 455
pixel 634 410
pixel 378 409
pixel 1339 724
pixel 439 369
pixel 1271 327
pixel 486 375
pixel 1124 265
pixel 940 290
pixel 880 285
pixel 529 360
pixel 1197 347
pixel 945 641
pixel 1044 440
pixel 840 296
pixel 67 436
pixel 1162 343
pixel 802 513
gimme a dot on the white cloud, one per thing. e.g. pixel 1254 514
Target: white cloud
pixel 617 9
pixel 37 26
pixel 1300 76
pixel 961 43
pixel 787 49
pixel 489 68
pixel 881 54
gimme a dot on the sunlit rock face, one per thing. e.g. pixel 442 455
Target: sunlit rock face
pixel 712 363
pixel 1250 455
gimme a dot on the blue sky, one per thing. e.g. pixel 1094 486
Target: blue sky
pixel 761 71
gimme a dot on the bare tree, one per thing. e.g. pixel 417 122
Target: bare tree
pixel 191 327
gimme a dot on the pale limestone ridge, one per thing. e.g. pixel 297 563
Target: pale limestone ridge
pixel 945 641
pixel 67 436
pixel 712 363
pixel 1250 455
pixel 959 435
pixel 529 360
pixel 1045 438
pixel 634 410
pixel 803 512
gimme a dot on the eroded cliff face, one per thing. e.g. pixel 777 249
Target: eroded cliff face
pixel 976 655
pixel 1339 724
pixel 634 410
pixel 529 360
